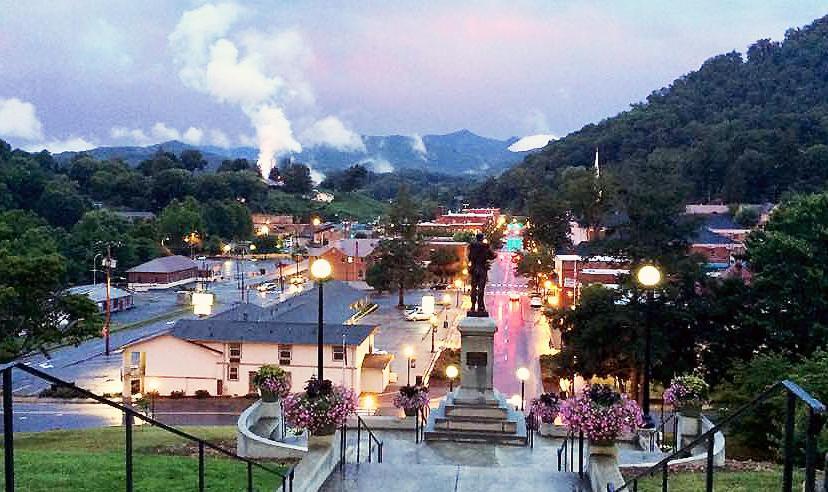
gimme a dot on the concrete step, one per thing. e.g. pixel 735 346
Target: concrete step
pixel 451 478
pixel 490 437
pixel 265 426
pixel 484 412
pixel 474 423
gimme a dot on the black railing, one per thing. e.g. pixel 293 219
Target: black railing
pixel 657 438
pixel 420 422
pixel 532 426
pixel 566 454
pixel 374 443
pixel 794 393
pixel 130 414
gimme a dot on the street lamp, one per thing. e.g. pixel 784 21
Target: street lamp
pixel 408 352
pixel 523 375
pixel 451 374
pixel 321 271
pixel 433 321
pixel 458 284
pixel 514 401
pixel 649 277
pixel 316 221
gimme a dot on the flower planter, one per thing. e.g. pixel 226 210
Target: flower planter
pixel 268 396
pixel 410 412
pixel 320 441
pixel 603 448
pixel 546 429
pixel 690 411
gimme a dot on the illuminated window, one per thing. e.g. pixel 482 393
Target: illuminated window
pixel 234 350
pixel 338 352
pixel 285 353
pixel 233 373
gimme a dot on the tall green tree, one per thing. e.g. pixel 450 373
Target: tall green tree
pixel 398 260
pixel 297 178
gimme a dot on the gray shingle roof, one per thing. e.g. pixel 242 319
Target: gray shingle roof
pixel 97 292
pixel 165 264
pixel 706 236
pixel 219 330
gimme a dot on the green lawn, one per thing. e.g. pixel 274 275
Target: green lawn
pixel 723 481
pixel 93 460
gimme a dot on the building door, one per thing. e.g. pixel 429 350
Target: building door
pixel 219 387
pixel 134 386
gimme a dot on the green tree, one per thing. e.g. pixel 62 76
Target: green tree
pixel 402 216
pixel 234 165
pixel 171 184
pixel 401 267
pixel 178 220
pixel 61 204
pixel 444 264
pixel 228 219
pixel 548 221
pixel 297 178
pixel 192 160
pixel 790 283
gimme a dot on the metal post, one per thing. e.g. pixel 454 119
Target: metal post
pixel 8 429
pixel 359 436
pixel 581 454
pixel 522 393
pixel 108 298
pixel 128 441
pixel 709 470
pixel 408 378
pixel 648 349
pixel 664 478
pixel 379 453
pixel 433 333
pixel 814 426
pixel 787 474
pixel 451 385
pixel 320 332
pixel 200 466
pixel 249 477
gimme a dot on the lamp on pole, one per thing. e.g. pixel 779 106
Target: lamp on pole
pixel 321 271
pixel 523 375
pixel 458 284
pixel 649 277
pixel 451 374
pixel 408 352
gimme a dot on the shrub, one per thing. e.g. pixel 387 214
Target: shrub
pixel 546 407
pixel 687 392
pixel 272 381
pixel 177 394
pixel 58 391
pixel 202 394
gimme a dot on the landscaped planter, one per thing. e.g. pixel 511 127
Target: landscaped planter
pixel 603 448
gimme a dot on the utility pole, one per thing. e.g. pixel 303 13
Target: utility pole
pixel 109 264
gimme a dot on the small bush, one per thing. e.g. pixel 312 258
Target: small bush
pixel 202 394
pixel 177 394
pixel 56 391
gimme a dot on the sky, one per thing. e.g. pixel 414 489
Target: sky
pixel 286 75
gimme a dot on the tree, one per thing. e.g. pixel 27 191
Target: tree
pixel 228 219
pixel 233 165
pixel 444 264
pixel 61 204
pixel 35 311
pixel 354 178
pixel 403 216
pixel 400 267
pixel 537 263
pixel 178 220
pixel 790 282
pixel 171 184
pixel 192 160
pixel 548 221
pixel 297 178
pixel 160 161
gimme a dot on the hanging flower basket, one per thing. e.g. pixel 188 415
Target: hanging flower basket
pixel 601 414
pixel 321 408
pixel 272 382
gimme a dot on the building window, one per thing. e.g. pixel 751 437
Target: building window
pixel 233 373
pixel 285 353
pixel 134 359
pixel 338 352
pixel 235 351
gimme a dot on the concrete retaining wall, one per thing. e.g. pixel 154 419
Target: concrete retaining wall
pixel 251 445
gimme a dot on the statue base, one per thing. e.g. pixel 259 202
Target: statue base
pixel 478 314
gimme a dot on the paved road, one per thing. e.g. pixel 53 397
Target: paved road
pixel 522 332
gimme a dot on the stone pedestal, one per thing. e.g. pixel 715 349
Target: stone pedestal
pixel 476 412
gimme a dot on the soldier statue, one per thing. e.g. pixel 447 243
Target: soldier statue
pixel 480 257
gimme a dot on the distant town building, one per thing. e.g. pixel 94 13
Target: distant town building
pixel 349 258
pixel 119 299
pixel 162 273
pixel 467 220
pixel 220 354
pixel 134 215
pixel 265 224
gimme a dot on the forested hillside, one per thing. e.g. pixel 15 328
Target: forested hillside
pixel 742 128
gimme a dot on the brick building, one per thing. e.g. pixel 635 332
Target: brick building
pixel 162 273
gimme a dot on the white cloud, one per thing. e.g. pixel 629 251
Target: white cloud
pixel 19 119
pixel 238 81
pixel 71 144
pixel 330 131
pixel 219 139
pixel 192 136
pixel 531 142
pixel 247 140
pixel 418 146
pixel 378 165
pixel 134 136
pixel 163 133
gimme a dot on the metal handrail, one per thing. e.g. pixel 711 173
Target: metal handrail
pixel 816 412
pixel 420 421
pixel 373 441
pixel 566 454
pixel 657 437
pixel 130 414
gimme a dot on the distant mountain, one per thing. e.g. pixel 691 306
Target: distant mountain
pixel 461 152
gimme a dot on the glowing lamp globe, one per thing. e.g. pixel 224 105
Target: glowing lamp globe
pixel 202 303
pixel 649 276
pixel 452 372
pixel 428 304
pixel 321 269
pixel 547 285
pixel 523 373
pixel 408 352
pixel 458 284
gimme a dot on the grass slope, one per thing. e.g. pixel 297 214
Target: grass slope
pixel 93 460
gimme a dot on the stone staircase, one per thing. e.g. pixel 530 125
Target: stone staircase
pixel 451 478
pixel 489 422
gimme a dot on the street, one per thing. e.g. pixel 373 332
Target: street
pixel 522 332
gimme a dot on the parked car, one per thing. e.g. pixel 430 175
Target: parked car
pixel 536 301
pixel 267 286
pixel 439 286
pixel 417 315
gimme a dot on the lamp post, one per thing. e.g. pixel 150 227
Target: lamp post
pixel 408 352
pixel 433 331
pixel 321 270
pixel 451 374
pixel 649 277
pixel 523 375
pixel 458 284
